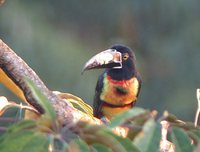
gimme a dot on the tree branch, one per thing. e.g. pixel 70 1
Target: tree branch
pixel 17 70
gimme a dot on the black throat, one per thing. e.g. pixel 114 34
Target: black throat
pixel 121 74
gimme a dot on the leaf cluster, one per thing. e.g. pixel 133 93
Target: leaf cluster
pixel 143 132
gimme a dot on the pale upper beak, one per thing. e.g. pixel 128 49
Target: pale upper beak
pixel 110 58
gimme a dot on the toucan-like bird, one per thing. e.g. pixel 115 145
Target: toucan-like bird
pixel 119 85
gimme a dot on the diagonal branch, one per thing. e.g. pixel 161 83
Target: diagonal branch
pixel 17 70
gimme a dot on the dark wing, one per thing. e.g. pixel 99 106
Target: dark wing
pixel 97 103
pixel 140 82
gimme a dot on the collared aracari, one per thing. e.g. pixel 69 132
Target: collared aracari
pixel 119 85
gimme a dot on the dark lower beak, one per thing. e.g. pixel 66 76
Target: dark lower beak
pixel 110 58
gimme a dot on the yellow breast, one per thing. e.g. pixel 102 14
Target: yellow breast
pixel 111 95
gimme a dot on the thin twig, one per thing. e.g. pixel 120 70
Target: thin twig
pixel 21 106
pixel 198 108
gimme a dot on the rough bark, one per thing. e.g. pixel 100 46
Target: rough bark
pixel 17 70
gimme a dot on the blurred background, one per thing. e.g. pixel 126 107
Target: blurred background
pixel 56 38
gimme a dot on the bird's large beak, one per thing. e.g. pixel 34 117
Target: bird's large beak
pixel 110 58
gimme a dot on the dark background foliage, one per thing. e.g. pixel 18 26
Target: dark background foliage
pixel 56 38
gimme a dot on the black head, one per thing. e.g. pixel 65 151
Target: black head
pixel 128 56
pixel 117 59
pixel 128 63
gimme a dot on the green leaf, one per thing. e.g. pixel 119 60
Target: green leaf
pixel 82 106
pixel 100 148
pixel 149 138
pixel 110 141
pixel 125 142
pixel 28 141
pixel 123 117
pixel 22 137
pixel 76 102
pixel 79 145
pixel 93 134
pixel 21 126
pixel 194 136
pixel 181 140
pixel 196 132
pixel 42 100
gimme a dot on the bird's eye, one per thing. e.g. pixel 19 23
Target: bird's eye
pixel 125 56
